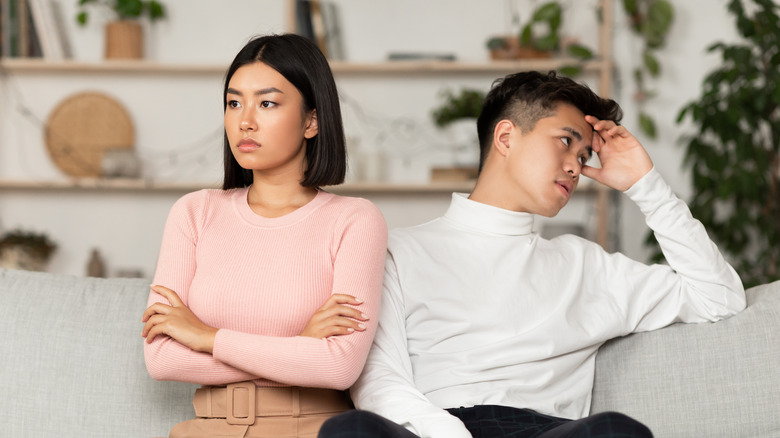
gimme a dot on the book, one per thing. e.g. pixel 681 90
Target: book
pixel 46 29
pixel 318 20
pixel 333 40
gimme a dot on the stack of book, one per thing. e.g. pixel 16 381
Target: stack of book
pixel 318 20
pixel 33 29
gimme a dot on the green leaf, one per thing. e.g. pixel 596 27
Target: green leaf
pixel 580 51
pixel 496 43
pixel 647 125
pixel 570 70
pixel 548 12
pixel 526 35
pixel 651 63
pixel 156 10
pixel 630 7
pixel 547 42
pixel 81 18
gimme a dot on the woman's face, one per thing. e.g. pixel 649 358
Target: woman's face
pixel 265 122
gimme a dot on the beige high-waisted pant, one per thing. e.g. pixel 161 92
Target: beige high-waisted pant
pixel 244 410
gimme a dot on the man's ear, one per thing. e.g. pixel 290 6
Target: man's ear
pixel 501 136
pixel 312 128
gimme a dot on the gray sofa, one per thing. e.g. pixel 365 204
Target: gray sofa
pixel 73 366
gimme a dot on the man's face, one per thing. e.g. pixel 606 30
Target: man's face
pixel 544 164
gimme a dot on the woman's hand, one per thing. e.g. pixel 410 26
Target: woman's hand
pixel 623 159
pixel 336 318
pixel 177 321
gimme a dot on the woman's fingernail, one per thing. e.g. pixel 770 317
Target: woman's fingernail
pixel 350 330
pixel 364 316
pixel 358 300
pixel 362 326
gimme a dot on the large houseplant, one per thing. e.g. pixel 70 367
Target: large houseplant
pixel 734 155
pixel 124 36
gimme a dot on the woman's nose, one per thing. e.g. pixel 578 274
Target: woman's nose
pixel 247 122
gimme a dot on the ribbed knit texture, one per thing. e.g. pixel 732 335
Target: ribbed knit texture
pixel 259 280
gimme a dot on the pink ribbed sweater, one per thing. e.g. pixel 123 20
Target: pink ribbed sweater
pixel 259 280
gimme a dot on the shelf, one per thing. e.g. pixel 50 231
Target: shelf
pixel 134 185
pixel 36 65
pixel 131 185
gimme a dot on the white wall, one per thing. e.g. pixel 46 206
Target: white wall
pixel 178 119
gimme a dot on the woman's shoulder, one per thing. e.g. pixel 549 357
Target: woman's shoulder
pixel 352 204
pixel 201 201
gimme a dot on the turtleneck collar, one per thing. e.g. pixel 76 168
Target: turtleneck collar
pixel 487 218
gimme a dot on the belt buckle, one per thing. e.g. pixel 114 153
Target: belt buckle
pixel 239 392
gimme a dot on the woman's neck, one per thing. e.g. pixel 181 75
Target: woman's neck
pixel 276 198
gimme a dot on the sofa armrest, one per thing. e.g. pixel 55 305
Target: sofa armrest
pixel 73 360
pixel 693 380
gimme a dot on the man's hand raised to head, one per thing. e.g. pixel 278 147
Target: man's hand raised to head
pixel 623 159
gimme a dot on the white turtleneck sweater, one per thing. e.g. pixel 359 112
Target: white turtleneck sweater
pixel 478 309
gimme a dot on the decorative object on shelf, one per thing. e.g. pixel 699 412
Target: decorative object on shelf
pixel 455 173
pixel 650 20
pixel 124 36
pixel 25 250
pixel 457 117
pixel 734 155
pixel 120 163
pixel 96 267
pixel 82 128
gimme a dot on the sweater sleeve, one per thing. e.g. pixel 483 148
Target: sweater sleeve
pixel 387 387
pixel 167 359
pixel 697 285
pixel 360 243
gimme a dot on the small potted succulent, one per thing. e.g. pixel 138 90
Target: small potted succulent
pixel 25 250
pixel 124 35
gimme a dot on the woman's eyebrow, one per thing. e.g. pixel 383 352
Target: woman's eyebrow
pixel 256 93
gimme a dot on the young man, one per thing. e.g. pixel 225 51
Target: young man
pixel 488 330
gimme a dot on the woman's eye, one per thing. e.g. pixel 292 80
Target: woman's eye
pixel 233 104
pixel 267 104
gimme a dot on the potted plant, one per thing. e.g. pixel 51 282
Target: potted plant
pixel 25 250
pixel 457 116
pixel 734 155
pixel 529 43
pixel 124 35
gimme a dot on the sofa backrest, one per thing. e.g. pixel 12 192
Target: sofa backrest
pixel 73 360
pixel 699 380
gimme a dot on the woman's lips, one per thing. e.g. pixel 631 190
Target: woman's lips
pixel 248 145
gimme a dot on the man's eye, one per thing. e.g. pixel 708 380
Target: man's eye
pixel 584 159
pixel 566 141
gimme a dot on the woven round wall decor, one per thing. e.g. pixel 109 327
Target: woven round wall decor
pixel 82 127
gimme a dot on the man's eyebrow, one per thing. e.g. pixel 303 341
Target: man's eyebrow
pixel 256 93
pixel 574 133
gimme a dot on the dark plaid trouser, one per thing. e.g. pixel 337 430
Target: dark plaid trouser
pixel 489 421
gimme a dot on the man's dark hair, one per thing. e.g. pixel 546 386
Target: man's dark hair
pixel 524 98
pixel 300 61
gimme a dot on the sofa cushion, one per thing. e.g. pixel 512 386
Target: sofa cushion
pixel 695 380
pixel 73 360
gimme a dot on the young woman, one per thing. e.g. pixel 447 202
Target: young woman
pixel 267 292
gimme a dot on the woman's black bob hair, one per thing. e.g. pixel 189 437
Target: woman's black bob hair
pixel 300 61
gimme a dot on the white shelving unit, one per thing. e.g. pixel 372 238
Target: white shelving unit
pixel 602 66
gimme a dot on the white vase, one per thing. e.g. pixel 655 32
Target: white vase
pixel 464 141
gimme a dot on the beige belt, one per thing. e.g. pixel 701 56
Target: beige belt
pixel 240 403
